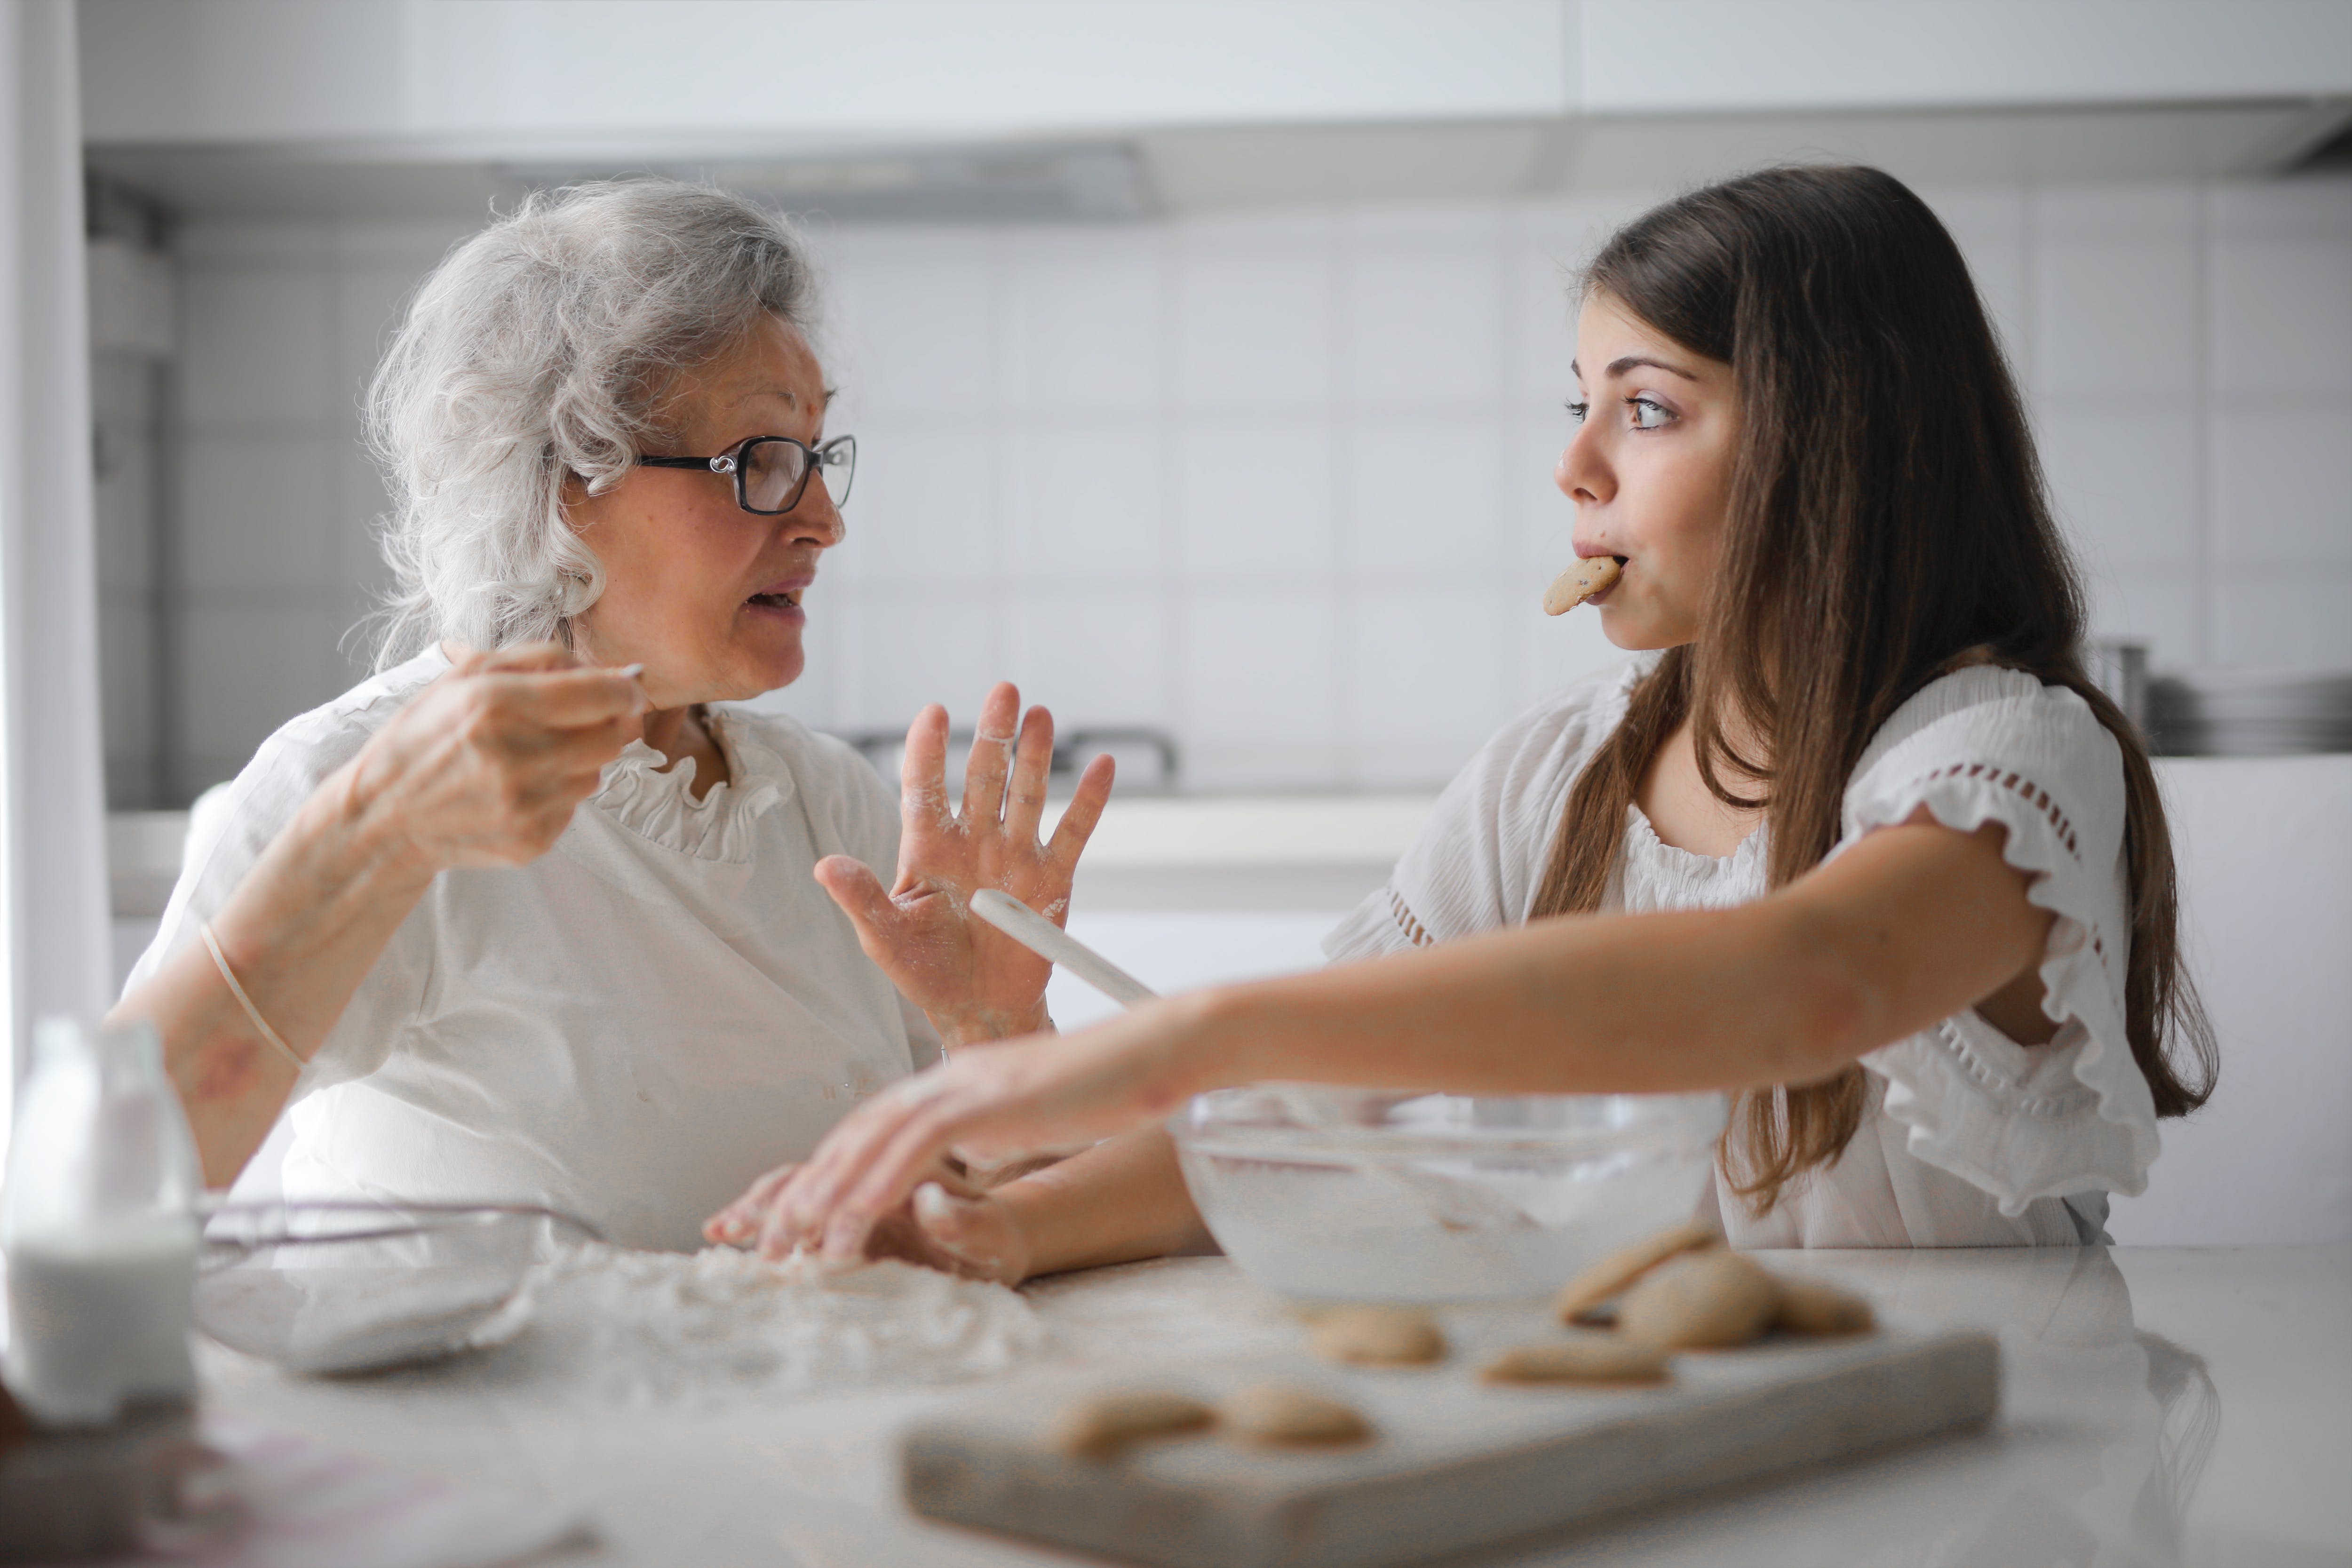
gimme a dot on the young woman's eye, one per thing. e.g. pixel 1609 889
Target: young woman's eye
pixel 1648 413
pixel 1577 410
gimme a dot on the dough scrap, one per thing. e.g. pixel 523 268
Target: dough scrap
pixel 1292 1415
pixel 1818 1307
pixel 1587 1358
pixel 1593 574
pixel 1613 1274
pixel 1377 1336
pixel 1106 1426
pixel 1702 1300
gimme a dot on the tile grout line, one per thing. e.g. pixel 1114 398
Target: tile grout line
pixel 2201 447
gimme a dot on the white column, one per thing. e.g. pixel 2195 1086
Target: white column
pixel 53 887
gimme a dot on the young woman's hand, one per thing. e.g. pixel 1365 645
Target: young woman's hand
pixel 485 765
pixel 989 1100
pixel 948 1223
pixel 976 983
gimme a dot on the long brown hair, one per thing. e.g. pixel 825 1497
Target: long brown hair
pixel 1888 521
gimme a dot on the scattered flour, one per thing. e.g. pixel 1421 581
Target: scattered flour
pixel 658 1326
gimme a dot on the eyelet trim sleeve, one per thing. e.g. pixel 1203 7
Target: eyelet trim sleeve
pixel 2021 1122
pixel 1479 860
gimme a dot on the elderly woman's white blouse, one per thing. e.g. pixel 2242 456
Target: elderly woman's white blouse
pixel 629 1028
pixel 1970 1140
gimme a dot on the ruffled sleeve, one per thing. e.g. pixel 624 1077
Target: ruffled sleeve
pixel 2021 1122
pixel 1478 862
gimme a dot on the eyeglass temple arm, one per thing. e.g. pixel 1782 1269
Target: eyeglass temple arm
pixel 710 463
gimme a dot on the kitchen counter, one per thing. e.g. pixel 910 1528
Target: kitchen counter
pixel 2160 1407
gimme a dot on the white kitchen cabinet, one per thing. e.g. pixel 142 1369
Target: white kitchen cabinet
pixel 508 78
pixel 2265 850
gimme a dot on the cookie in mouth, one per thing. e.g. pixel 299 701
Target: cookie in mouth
pixel 1589 578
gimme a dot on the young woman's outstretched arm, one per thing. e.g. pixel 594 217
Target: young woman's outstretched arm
pixel 1914 923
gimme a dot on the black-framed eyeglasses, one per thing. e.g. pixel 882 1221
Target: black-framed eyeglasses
pixel 771 472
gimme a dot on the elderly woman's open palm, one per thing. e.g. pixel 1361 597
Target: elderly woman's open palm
pixel 975 982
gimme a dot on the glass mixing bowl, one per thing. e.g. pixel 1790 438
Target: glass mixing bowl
pixel 333 1287
pixel 1359 1195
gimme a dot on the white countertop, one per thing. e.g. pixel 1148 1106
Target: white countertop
pixel 2161 1407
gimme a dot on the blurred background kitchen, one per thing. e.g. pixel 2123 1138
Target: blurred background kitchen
pixel 1207 359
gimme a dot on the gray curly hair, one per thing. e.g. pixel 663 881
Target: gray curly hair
pixel 541 348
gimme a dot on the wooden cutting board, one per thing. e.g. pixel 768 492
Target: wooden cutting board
pixel 1455 1463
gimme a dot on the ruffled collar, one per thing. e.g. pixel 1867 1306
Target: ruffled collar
pixel 1652 874
pixel 661 806
pixel 1643 846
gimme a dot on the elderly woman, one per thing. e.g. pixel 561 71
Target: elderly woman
pixel 525 917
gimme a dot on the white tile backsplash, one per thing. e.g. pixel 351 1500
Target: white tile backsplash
pixel 1085 499
pixel 1254 499
pixel 921 329
pixel 924 507
pixel 1259 667
pixel 2115 317
pixel 126 692
pixel 263 507
pixel 1540 341
pixel 1427 678
pixel 2136 209
pixel 257 348
pixel 367 306
pixel 2283 317
pixel 1422 498
pixel 1087 331
pixel 2306 209
pixel 2169 610
pixel 241 681
pixel 2295 621
pixel 1280 481
pixel 2283 484
pixel 1094 656
pixel 1255 329
pixel 908 649
pixel 1423 326
pixel 1548 652
pixel 1991 227
pixel 1542 519
pixel 2126 482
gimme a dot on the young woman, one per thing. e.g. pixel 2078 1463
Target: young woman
pixel 1854 839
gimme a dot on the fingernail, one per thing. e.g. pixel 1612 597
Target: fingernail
pixel 631 672
pixel 842 1236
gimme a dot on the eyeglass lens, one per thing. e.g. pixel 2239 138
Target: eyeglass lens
pixel 774 472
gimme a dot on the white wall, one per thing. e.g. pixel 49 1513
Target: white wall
pixel 1281 483
pixel 274 500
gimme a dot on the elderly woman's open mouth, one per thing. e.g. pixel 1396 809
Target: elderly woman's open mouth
pixel 783 598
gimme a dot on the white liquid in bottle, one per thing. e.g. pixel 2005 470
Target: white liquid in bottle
pixel 97 1219
pixel 101 1318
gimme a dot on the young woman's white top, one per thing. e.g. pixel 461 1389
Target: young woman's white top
pixel 631 1028
pixel 1970 1139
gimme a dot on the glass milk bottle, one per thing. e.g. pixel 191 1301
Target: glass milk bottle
pixel 99 1226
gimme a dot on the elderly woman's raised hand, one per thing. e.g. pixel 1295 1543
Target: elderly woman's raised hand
pixel 485 766
pixel 975 982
